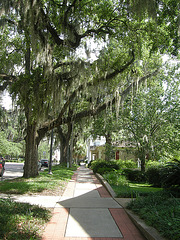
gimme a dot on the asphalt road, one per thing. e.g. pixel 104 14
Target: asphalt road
pixel 12 170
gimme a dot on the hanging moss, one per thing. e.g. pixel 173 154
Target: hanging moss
pixel 142 7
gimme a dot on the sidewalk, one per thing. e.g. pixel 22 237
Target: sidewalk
pixel 87 211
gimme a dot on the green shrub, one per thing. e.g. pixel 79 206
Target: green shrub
pixel 150 164
pixel 126 164
pixel 115 178
pixel 154 175
pixel 134 175
pixel 102 166
pixel 171 175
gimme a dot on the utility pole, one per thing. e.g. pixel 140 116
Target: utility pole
pixel 50 160
pixel 71 146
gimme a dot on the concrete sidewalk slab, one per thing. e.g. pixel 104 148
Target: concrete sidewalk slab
pixel 86 222
pixel 91 194
pixel 84 201
pixel 42 201
pixel 88 186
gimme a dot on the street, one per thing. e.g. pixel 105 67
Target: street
pixel 12 170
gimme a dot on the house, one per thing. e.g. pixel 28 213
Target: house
pixel 122 150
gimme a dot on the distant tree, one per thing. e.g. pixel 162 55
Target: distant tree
pixel 104 125
pixel 149 120
pixel 79 150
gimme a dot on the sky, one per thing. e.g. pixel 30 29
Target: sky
pixel 6 100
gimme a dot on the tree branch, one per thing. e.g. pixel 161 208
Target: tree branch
pixel 102 107
pixel 59 120
pixel 51 29
pixel 7 20
pixel 7 80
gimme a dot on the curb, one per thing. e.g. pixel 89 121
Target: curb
pixel 106 185
pixel 148 232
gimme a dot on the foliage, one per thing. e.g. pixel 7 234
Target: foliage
pixel 21 220
pixel 104 125
pixel 8 147
pixel 166 176
pixel 43 149
pixel 103 166
pixel 154 175
pixel 171 175
pixel 135 175
pixel 161 211
pixel 126 164
pixel 79 149
pixel 147 122
pixel 11 133
pixel 155 164
pixel 116 178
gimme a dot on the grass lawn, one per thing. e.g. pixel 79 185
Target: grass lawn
pixel 44 182
pixel 133 190
pixel 126 189
pixel 22 221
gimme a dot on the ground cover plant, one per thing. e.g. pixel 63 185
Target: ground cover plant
pixel 160 210
pixel 21 220
pixel 45 183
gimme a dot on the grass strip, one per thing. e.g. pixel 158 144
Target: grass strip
pixel 61 175
pixel 21 221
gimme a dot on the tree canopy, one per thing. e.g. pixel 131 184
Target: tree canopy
pixel 41 42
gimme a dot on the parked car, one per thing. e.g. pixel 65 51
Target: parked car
pixel 2 168
pixel 44 162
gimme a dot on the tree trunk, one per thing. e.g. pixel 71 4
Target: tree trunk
pixel 71 146
pixel 64 143
pixel 31 154
pixel 142 157
pixel 31 150
pixel 143 164
pixel 63 151
pixel 109 154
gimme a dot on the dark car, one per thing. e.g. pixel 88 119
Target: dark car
pixel 44 162
pixel 2 168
